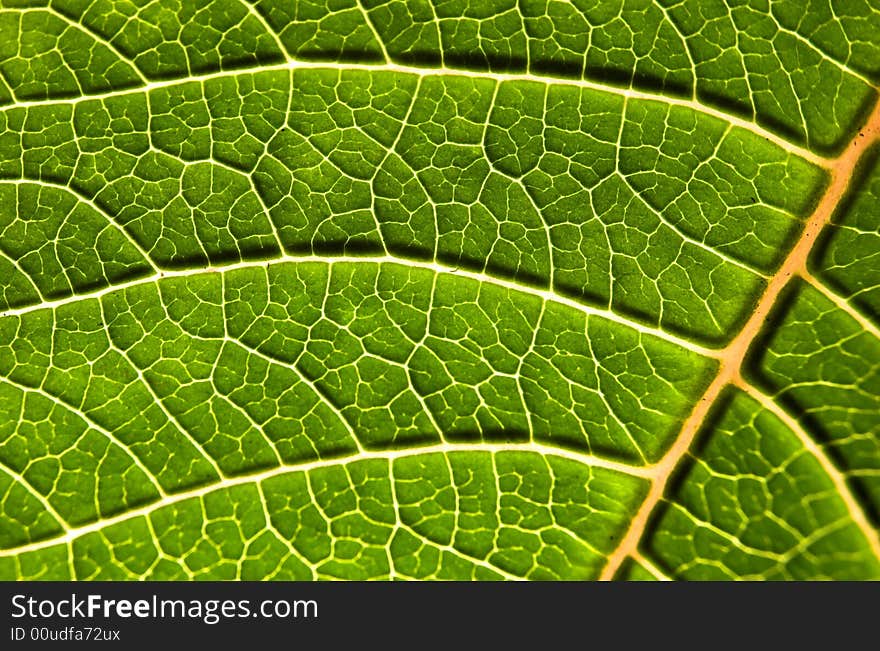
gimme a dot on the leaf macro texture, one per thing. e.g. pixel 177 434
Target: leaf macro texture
pixel 439 289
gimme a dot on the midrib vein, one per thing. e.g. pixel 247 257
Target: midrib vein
pixel 72 533
pixel 296 64
pixel 731 357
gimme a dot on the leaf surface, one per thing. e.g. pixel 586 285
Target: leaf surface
pixel 430 289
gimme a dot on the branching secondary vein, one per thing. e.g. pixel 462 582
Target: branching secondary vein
pixel 293 64
pixel 734 354
pixel 73 533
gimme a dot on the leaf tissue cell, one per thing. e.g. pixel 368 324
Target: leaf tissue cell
pixel 432 289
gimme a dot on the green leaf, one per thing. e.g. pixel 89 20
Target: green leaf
pixel 439 290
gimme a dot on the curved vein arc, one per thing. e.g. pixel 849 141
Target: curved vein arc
pixel 390 455
pixel 294 64
pixel 841 303
pixel 90 423
pixel 85 29
pixel 85 200
pixel 434 267
pixel 42 499
pixel 856 512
